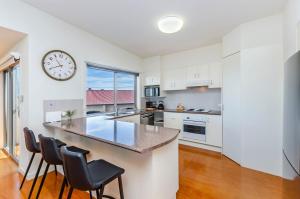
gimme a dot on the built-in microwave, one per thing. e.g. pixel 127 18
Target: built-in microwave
pixel 152 91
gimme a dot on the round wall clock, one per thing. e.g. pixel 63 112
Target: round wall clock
pixel 59 65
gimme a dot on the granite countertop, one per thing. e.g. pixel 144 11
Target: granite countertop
pixel 192 112
pixel 135 137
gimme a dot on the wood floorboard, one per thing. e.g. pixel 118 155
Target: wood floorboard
pixel 203 175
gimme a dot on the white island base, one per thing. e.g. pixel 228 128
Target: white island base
pixel 150 175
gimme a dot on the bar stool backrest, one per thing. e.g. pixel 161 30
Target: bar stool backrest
pixel 30 141
pixel 76 169
pixel 50 150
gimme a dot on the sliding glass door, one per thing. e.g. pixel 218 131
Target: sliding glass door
pixel 11 110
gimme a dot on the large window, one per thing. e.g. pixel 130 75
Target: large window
pixel 109 90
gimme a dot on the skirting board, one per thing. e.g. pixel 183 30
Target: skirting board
pixel 202 146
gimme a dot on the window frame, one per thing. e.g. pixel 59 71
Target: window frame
pixel 115 71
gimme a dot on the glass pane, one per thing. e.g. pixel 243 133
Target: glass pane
pixel 125 91
pixel 15 110
pixel 100 91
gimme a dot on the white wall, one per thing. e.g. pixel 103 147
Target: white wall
pixel 290 29
pixel 199 56
pixel 44 34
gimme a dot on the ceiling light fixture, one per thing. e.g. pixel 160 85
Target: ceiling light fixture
pixel 170 24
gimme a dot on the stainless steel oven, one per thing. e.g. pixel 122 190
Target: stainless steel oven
pixel 194 127
pixel 152 91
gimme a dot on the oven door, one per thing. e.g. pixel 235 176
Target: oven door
pixel 194 130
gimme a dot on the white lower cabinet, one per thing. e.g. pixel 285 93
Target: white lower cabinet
pixel 214 130
pixel 173 120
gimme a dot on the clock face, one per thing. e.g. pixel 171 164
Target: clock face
pixel 59 65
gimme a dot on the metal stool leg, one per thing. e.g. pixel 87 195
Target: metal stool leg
pixel 121 187
pixel 55 169
pixel 100 194
pixel 28 167
pixel 70 193
pixel 62 188
pixel 35 178
pixel 43 180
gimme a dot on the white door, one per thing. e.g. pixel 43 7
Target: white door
pixel 231 105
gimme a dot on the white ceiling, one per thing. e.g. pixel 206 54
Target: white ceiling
pixel 8 39
pixel 131 24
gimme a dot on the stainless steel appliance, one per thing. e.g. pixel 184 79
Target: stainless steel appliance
pixel 158 118
pixel 147 118
pixel 194 127
pixel 152 91
pixel 291 128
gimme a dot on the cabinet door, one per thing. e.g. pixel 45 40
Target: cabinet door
pixel 232 145
pixel 152 80
pixel 148 80
pixel 214 130
pixel 174 80
pixel 215 75
pixel 173 120
pixel 198 75
pixel 168 85
pixel 203 76
pixel 156 80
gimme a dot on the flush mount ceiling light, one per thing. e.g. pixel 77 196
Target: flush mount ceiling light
pixel 170 24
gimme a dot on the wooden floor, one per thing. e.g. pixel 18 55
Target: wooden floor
pixel 203 174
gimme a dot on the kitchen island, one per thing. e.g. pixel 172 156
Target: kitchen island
pixel 149 154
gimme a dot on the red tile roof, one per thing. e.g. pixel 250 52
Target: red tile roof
pixel 105 97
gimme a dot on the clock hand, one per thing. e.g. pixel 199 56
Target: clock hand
pixel 55 67
pixel 58 62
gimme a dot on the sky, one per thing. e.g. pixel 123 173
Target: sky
pixel 104 80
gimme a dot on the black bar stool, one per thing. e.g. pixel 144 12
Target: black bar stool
pixel 51 154
pixel 33 147
pixel 89 176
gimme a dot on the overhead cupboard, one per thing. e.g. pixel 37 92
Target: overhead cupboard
pixel 209 75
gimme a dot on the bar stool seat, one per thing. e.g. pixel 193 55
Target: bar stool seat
pixel 103 172
pixel 92 176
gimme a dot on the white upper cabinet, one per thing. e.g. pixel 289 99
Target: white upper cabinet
pixel 198 76
pixel 152 80
pixel 215 75
pixel 174 80
pixel 206 75
pixel 151 71
pixel 232 42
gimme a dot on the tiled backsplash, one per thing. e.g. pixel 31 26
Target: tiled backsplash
pixel 64 105
pixel 200 97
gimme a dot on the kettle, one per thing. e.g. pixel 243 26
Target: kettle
pixel 161 105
